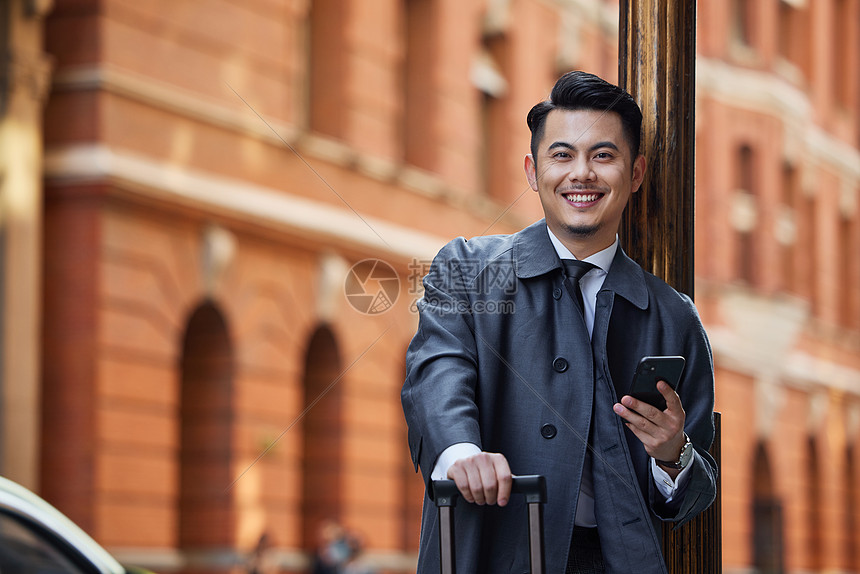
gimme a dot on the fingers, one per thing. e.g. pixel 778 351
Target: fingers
pixel 484 478
pixel 673 401
pixel 641 426
pixel 504 478
pixel 639 415
pixel 659 431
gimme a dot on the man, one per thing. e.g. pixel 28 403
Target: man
pixel 509 373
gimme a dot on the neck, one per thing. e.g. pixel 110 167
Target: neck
pixel 583 245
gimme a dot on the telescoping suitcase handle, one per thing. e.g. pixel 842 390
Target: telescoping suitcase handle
pixel 445 494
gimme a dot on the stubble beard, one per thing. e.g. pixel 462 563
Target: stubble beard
pixel 582 231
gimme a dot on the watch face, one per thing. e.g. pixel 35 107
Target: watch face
pixel 686 454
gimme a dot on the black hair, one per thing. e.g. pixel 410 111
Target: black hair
pixel 578 90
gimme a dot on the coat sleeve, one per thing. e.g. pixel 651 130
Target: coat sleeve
pixel 438 395
pixel 696 390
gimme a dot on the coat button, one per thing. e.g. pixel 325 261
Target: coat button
pixel 548 431
pixel 560 364
pixel 556 293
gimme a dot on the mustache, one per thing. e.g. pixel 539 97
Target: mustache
pixel 582 189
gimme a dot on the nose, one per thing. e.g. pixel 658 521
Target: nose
pixel 580 169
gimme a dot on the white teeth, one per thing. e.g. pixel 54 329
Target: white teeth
pixel 581 198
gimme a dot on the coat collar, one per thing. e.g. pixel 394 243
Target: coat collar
pixel 534 255
pixel 627 279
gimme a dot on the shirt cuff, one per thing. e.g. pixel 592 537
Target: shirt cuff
pixel 451 455
pixel 665 485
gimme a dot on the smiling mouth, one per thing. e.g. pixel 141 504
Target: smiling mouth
pixel 582 198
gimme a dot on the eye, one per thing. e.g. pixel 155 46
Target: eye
pixel 561 155
pixel 603 155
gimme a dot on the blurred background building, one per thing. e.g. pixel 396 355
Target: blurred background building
pixel 190 360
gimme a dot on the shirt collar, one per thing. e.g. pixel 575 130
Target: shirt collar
pixel 602 259
pixel 534 255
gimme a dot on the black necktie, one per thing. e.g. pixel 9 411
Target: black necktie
pixel 574 271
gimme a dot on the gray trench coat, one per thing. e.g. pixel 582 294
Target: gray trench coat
pixel 499 361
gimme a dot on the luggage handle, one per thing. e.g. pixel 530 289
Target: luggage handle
pixel 533 487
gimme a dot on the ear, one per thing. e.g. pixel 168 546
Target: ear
pixel 531 171
pixel 638 173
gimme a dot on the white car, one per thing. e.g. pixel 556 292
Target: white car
pixel 36 537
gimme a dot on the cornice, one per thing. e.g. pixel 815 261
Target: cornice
pixel 216 194
pixel 769 94
pixel 239 119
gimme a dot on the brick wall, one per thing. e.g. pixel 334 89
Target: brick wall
pixel 168 120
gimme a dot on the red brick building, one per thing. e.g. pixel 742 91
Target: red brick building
pixel 778 268
pixel 182 368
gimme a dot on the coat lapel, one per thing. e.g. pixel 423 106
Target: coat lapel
pixel 534 254
pixel 627 279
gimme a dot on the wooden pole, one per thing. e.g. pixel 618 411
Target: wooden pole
pixel 697 547
pixel 657 65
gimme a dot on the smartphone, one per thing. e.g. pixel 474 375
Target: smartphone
pixel 651 370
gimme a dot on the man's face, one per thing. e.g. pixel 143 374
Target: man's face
pixel 584 173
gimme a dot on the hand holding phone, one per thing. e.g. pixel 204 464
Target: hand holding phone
pixel 653 369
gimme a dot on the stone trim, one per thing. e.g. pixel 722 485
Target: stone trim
pixel 262 205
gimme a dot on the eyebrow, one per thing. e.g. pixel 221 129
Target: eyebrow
pixel 598 145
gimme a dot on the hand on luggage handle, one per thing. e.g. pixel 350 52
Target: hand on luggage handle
pixel 533 486
pixel 445 495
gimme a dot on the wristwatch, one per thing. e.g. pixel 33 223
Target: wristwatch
pixel 683 460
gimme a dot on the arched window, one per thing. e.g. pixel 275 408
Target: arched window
pixel 420 140
pixel 323 435
pixel 849 271
pixel 844 45
pixel 327 68
pixel 794 31
pixel 852 508
pixel 809 240
pixel 814 522
pixel 207 518
pixel 767 518
pixel 489 76
pixel 786 227
pixel 746 214
pixel 743 21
